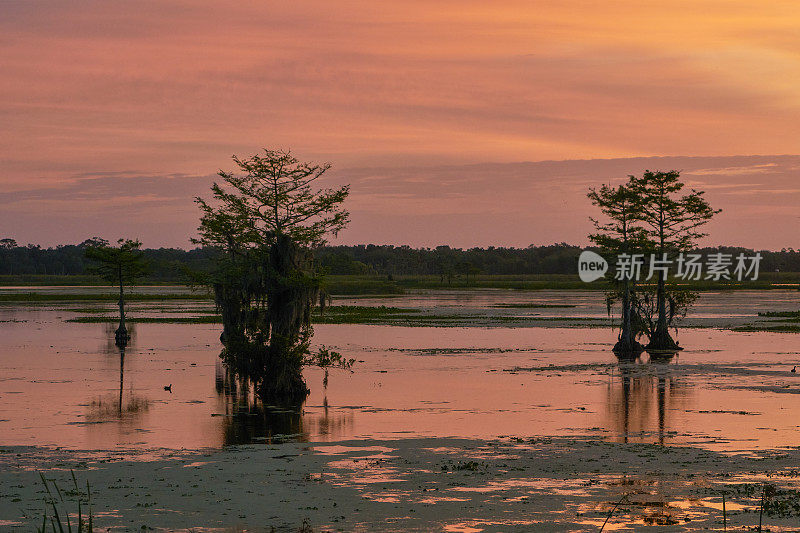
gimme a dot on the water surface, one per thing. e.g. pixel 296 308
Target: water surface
pixel 65 384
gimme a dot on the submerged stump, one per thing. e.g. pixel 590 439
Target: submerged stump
pixel 662 341
pixel 628 348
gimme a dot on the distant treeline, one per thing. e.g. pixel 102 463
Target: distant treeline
pixel 170 264
pixel 166 264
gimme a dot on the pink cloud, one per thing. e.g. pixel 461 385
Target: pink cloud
pixel 413 90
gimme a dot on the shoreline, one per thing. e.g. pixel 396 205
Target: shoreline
pixel 434 484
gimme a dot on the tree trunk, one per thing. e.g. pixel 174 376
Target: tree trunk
pixel 289 304
pixel 661 340
pixel 121 336
pixel 626 345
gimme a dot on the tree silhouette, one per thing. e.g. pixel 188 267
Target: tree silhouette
pixel 266 221
pixel 671 222
pixel 120 265
pixel 619 234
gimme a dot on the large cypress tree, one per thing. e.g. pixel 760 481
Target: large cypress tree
pixel 619 233
pixel 672 222
pixel 266 221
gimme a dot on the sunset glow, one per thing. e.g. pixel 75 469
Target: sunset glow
pixel 131 107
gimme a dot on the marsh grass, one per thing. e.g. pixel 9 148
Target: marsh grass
pixel 378 315
pixel 782 322
pixel 774 328
pixel 381 285
pixel 533 306
pixel 109 408
pixel 780 314
pixel 209 319
pixel 611 512
pixel 61 520
pixel 359 314
pixel 88 310
pixel 766 281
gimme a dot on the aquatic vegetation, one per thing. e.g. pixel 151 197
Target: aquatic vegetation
pixel 83 524
pixel 327 359
pixel 766 327
pixel 780 314
pixel 357 314
pixel 109 408
pixel 533 305
pixel 470 466
pixel 206 319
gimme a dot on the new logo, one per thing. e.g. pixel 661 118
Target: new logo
pixel 591 266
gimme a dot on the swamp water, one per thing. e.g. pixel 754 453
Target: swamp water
pixel 729 393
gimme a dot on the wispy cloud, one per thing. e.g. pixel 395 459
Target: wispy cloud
pixel 464 205
pixel 175 86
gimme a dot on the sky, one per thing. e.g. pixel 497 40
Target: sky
pixel 465 123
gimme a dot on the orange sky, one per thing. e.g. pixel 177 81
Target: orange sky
pixel 126 107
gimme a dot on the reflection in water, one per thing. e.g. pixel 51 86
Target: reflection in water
pixel 413 382
pixel 248 420
pixel 110 346
pixel 639 399
pixel 112 407
pixel 329 423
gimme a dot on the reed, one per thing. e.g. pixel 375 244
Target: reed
pixel 56 501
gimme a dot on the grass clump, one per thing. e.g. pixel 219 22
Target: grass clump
pixel 61 521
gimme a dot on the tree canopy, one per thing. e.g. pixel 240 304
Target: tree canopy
pixel 273 196
pixel 121 264
pixel 620 232
pixel 670 220
pixel 266 220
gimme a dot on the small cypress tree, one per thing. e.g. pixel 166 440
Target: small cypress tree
pixel 120 265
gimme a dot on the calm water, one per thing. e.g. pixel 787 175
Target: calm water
pixel 65 384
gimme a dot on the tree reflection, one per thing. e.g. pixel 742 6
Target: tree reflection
pixel 640 397
pixel 114 407
pixel 246 419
